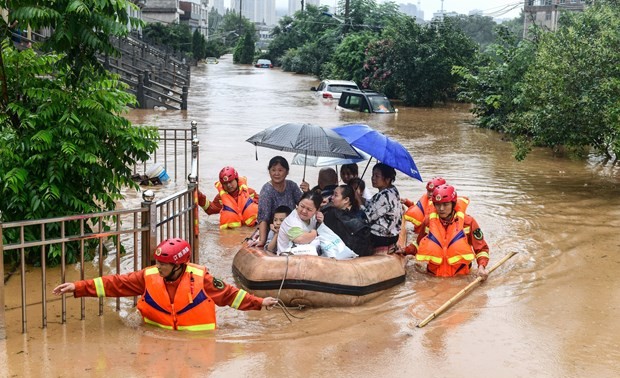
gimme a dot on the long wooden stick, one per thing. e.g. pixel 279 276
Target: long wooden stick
pixel 462 293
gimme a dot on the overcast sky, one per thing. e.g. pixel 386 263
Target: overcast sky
pixel 489 7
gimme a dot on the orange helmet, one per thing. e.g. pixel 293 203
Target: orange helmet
pixel 434 182
pixel 227 174
pixel 173 251
pixel 444 193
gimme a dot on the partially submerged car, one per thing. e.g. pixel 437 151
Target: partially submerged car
pixel 263 63
pixel 331 89
pixel 364 101
pixel 211 60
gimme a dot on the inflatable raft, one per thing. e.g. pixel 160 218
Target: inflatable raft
pixel 317 281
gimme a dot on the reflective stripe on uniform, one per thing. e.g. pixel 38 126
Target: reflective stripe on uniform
pixel 412 220
pixel 99 287
pixel 151 270
pixel 199 327
pixel 238 299
pixel 195 270
pixel 482 254
pixel 230 225
pixel 454 259
pixel 433 259
pixel 148 321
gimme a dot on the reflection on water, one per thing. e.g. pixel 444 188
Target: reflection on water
pixel 549 311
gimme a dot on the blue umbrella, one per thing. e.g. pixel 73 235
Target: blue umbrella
pixel 381 147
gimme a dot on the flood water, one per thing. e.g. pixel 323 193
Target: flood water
pixel 550 311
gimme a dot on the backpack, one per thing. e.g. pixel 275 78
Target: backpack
pixel 353 231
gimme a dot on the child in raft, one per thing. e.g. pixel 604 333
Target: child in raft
pixel 279 216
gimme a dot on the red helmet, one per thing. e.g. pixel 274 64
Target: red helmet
pixel 444 193
pixel 435 182
pixel 227 174
pixel 173 251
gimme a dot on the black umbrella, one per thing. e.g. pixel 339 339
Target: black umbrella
pixel 304 138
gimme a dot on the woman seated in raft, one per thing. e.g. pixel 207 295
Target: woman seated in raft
pixel 348 221
pixel 384 210
pixel 298 234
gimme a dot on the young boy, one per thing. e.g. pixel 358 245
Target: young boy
pixel 349 174
pixel 278 217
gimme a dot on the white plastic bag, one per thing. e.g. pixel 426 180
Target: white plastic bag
pixel 332 245
pixel 303 249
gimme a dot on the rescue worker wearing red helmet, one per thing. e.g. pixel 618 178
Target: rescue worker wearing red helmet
pixel 416 212
pixel 450 239
pixel 236 203
pixel 175 294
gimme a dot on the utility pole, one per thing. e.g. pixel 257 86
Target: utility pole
pixel 302 5
pixel 442 10
pixel 240 20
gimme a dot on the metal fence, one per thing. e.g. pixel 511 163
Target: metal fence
pixel 129 233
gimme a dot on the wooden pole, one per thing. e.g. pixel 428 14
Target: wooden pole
pixel 462 293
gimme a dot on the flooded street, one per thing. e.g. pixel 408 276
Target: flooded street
pixel 550 311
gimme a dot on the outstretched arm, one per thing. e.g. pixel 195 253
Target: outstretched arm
pixel 67 287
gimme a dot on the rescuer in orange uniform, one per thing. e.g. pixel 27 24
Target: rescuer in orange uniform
pixel 450 239
pixel 236 203
pixel 175 294
pixel 416 212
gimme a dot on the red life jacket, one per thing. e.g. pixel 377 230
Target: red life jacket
pixel 239 211
pixel 446 248
pixel 191 310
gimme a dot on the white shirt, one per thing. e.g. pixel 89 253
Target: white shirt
pixel 291 228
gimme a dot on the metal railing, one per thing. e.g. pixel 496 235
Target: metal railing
pixel 133 233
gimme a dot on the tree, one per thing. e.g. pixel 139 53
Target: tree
pixel 494 83
pixel 198 45
pixel 173 37
pixel 414 63
pixel 65 147
pixel 480 29
pixel 347 61
pixel 244 51
pixel 570 91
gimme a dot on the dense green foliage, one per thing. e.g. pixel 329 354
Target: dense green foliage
pixel 175 37
pixel 561 90
pixel 414 62
pixel 65 147
pixel 244 51
pixel 377 46
pixel 480 29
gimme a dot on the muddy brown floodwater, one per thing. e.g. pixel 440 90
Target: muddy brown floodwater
pixel 550 311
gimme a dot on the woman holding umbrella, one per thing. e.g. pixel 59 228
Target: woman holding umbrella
pixel 276 192
pixel 384 210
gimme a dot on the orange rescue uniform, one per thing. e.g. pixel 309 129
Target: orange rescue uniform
pixel 417 212
pixel 188 303
pixel 237 208
pixel 449 248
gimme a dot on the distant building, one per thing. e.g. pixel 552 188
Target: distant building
pixel 162 11
pixel 440 16
pixel 295 5
pixel 258 11
pixel 545 13
pixel 412 10
pixel 218 5
pixel 195 15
